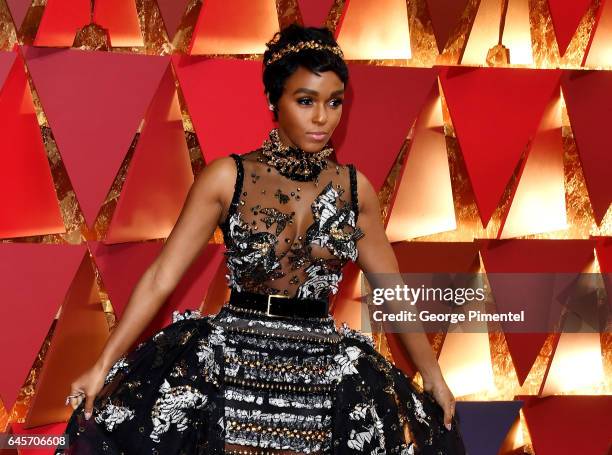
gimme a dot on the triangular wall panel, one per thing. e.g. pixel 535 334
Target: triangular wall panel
pixel 94 102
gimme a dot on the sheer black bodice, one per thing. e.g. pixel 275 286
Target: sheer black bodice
pixel 290 237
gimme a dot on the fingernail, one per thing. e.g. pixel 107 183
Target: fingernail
pixel 448 426
pixel 87 415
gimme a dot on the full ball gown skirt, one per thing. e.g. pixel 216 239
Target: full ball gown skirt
pixel 207 384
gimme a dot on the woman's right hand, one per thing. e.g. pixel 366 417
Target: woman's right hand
pixel 443 395
pixel 87 386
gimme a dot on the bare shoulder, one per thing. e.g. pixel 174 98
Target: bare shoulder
pixel 368 197
pixel 220 169
pixel 216 180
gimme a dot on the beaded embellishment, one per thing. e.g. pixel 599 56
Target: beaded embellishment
pixel 311 44
pixel 253 260
pixel 293 162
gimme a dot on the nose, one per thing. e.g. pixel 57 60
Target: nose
pixel 319 114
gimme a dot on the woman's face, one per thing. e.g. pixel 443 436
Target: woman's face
pixel 309 104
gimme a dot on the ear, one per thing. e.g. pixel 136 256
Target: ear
pixel 270 105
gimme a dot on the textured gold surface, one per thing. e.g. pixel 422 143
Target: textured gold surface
pixel 92 37
pixel 31 21
pixel 457 40
pixel 424 53
pixel 334 15
pixel 8 34
pixel 544 43
pixel 599 56
pixel 288 12
pixel 498 55
pixel 24 398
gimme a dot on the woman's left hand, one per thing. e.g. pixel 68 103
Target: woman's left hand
pixel 442 394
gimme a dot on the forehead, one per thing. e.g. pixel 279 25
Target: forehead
pixel 325 81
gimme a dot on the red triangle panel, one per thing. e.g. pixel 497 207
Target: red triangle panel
pixel 94 102
pixel 495 113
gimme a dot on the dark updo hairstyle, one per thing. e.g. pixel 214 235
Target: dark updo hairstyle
pixel 315 60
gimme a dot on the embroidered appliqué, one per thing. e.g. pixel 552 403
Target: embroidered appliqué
pixel 345 363
pixel 420 412
pixel 321 280
pixel 187 314
pixel 372 426
pixel 329 229
pixel 346 331
pixel 120 364
pixel 111 415
pixel 171 408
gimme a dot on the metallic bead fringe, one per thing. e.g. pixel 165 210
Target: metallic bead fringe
pixel 313 388
pixel 266 334
pixel 252 312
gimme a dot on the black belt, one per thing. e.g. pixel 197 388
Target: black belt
pixel 279 305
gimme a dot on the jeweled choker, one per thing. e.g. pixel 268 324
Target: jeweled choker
pixel 293 162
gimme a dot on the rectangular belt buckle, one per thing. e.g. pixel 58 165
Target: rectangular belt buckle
pixel 269 303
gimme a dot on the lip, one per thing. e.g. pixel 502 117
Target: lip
pixel 318 136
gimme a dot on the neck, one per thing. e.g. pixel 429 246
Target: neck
pixel 284 139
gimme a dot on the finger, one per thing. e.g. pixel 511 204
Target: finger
pixel 75 401
pixel 89 406
pixel 74 398
pixel 448 416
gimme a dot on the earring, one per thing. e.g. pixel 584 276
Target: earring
pixel 271 107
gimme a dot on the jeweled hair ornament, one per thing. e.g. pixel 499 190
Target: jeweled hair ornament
pixel 292 48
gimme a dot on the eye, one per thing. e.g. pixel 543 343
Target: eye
pixel 304 101
pixel 336 102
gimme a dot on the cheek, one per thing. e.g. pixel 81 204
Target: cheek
pixel 292 112
pixel 335 115
pixel 299 117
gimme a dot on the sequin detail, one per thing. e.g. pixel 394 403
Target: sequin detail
pixel 171 408
pixel 112 415
pixel 261 383
pixel 254 257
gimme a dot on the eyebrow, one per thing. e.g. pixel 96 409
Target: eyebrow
pixel 314 92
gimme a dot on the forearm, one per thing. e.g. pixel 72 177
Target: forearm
pixel 422 355
pixel 144 303
pixel 413 337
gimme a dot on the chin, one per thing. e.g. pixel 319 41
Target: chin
pixel 314 150
pixel 313 146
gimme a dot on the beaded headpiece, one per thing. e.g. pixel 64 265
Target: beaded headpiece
pixel 291 48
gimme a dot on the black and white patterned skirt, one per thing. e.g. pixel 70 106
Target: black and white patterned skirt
pixel 237 383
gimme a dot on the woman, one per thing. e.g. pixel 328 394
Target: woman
pixel 271 372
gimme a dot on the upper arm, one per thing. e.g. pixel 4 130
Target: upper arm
pixel 375 252
pixel 205 204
